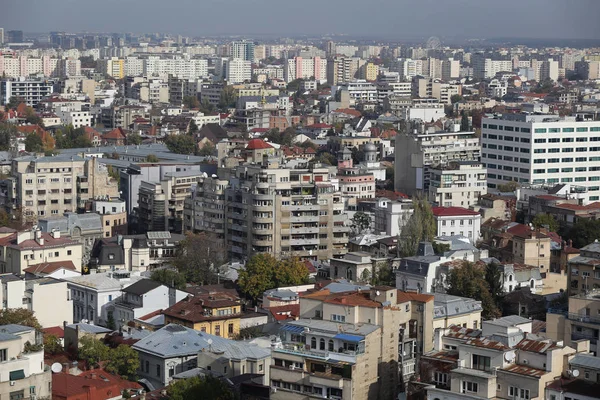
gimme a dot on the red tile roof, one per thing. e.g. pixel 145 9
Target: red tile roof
pixel 199 308
pixel 452 211
pixel 258 144
pixel 117 134
pixel 49 241
pixel 410 296
pixel 536 346
pixel 57 331
pixel 349 111
pixel 98 382
pixel 319 126
pixel 285 312
pixel 49 267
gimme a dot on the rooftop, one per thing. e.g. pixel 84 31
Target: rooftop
pixel 452 211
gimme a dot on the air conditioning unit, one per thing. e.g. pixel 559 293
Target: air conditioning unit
pixel 12 383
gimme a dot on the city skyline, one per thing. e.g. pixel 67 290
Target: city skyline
pixel 405 18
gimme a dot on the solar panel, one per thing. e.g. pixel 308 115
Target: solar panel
pixel 159 235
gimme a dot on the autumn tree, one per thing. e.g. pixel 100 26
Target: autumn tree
pixel 198 258
pixel 207 150
pixel 207 387
pixel 419 227
pixel 52 344
pixel 547 221
pixel 19 316
pixel 469 280
pixel 191 102
pixel 264 272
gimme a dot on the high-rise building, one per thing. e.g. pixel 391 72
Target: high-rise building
pixel 1 35
pixel 457 184
pixel 14 37
pixel 243 50
pixel 485 67
pixel 542 149
pixel 234 70
pixel 305 68
pixel 31 91
pixel 343 69
pixel 417 154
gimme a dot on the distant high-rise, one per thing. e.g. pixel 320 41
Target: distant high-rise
pixel 1 35
pixel 14 36
pixel 243 50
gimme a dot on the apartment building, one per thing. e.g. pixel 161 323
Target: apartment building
pixel 47 186
pixel 502 360
pixel 32 293
pixel 391 216
pixel 359 91
pixel 352 345
pixel 457 184
pixel 305 68
pixel 23 373
pixel 433 88
pixel 243 50
pixel 416 154
pixel 113 67
pixel 161 204
pixel 542 149
pixel 583 380
pixel 31 91
pixel 113 216
pixel 234 70
pixel 485 67
pixel 343 69
pixel 583 275
pixel 21 250
pixel 282 211
pixel 580 321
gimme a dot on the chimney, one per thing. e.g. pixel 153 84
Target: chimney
pixel 56 233
pixel 39 238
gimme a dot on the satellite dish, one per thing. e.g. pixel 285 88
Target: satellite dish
pixel 209 341
pixel 575 373
pixel 56 368
pixel 510 356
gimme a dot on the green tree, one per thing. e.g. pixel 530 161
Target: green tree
pixel 455 98
pixel 152 158
pixel 419 227
pixel 52 344
pixel 33 143
pixel 207 387
pixel 495 281
pixel 440 248
pixel 545 220
pixel 110 321
pixel 181 144
pixel 468 280
pixel 169 277
pixel 8 134
pixel 93 351
pixel 264 272
pixel 508 187
pixel 123 361
pixel 192 128
pixel 584 232
pixel 207 150
pixel 191 102
pixel 32 118
pixel 228 98
pixel 294 85
pixel 13 103
pixel 19 316
pixel 198 258
pixel 134 139
pixel 360 222
pixel 325 158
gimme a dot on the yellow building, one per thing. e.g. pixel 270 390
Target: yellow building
pixel 216 314
pixel 370 71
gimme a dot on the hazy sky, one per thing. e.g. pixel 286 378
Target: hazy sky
pixel 394 18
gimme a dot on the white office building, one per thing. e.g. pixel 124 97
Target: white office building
pixel 32 91
pixel 234 70
pixel 540 149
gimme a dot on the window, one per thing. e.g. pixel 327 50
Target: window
pixel 469 387
pixel 218 330
pixel 313 343
pixel 3 355
pixel 568 130
pixel 321 344
pixel 338 318
pixel 330 345
pixel 540 130
pixel 481 363
pixel 440 378
pixel 158 370
pixel 230 329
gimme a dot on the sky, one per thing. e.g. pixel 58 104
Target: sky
pixel 469 19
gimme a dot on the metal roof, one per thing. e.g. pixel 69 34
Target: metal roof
pixel 585 360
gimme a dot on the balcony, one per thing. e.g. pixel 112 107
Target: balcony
pixel 300 349
pixel 327 380
pixel 306 218
pixel 305 242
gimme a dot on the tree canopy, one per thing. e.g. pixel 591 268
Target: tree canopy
pixel 360 222
pixel 123 361
pixel 33 143
pixel 207 150
pixel 92 351
pixel 134 139
pixel 419 227
pixel 8 134
pixel 181 144
pixel 207 387
pixel 69 138
pixel 169 277
pixel 547 221
pixel 264 272
pixel 583 232
pixel 198 258
pixel 191 101
pixel 469 280
pixel 19 316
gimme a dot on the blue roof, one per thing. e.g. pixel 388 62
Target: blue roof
pixel 293 329
pixel 349 338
